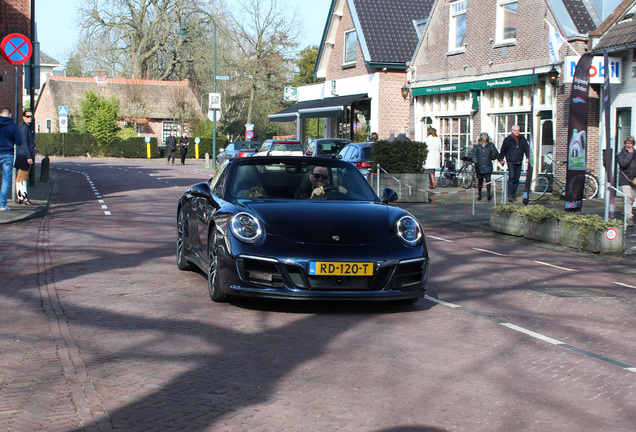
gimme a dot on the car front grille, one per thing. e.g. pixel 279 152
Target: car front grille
pixel 267 273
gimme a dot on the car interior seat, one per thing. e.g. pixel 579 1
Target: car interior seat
pixel 247 178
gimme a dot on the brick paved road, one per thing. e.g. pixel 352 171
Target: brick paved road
pixel 100 331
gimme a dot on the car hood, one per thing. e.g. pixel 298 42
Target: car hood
pixel 323 222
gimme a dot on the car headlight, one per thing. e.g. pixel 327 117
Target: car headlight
pixel 409 230
pixel 246 228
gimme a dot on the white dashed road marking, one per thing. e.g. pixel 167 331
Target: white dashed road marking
pixel 536 335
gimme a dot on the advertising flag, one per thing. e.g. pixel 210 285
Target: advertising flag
pixel 556 40
pixel 577 134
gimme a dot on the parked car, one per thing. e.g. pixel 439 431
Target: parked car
pixel 254 235
pixel 326 147
pixel 358 154
pixel 280 148
pixel 237 149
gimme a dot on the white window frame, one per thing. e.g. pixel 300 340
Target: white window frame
pixel 420 26
pixel 345 51
pixel 457 9
pixel 501 15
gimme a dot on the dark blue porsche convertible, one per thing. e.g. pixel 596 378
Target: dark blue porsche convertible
pixel 300 228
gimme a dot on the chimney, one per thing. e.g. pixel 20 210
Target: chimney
pixel 100 76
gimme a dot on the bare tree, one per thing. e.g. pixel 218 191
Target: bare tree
pixel 182 109
pixel 134 103
pixel 138 38
pixel 265 37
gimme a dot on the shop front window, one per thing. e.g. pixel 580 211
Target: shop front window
pixel 455 134
pixel 505 122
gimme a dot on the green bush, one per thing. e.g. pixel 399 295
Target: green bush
pixel 400 156
pixel 537 213
pixel 68 144
pixel 72 144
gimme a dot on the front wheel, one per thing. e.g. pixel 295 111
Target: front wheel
pixel 445 177
pixel 468 175
pixel 538 188
pixel 182 234
pixel 214 286
pixel 591 186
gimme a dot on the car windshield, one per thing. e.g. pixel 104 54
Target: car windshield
pixel 297 178
pixel 328 148
pixel 287 147
pixel 365 153
pixel 253 145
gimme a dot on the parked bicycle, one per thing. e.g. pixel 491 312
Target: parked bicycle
pixel 545 182
pixel 465 175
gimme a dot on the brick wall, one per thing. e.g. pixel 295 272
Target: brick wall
pixel 482 57
pixel 15 17
pixel 395 113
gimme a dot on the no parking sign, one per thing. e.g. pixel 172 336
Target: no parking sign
pixel 16 48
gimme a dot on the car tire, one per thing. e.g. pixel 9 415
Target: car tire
pixel 182 234
pixel 214 286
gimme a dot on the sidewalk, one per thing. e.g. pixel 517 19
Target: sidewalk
pixel 454 206
pixel 39 194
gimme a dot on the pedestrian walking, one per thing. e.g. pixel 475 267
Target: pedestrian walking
pixel 183 147
pixel 402 136
pixel 171 144
pixel 482 155
pixel 627 177
pixel 9 138
pixel 25 158
pixel 513 149
pixel 434 156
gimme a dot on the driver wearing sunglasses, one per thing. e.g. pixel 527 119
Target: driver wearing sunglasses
pixel 319 179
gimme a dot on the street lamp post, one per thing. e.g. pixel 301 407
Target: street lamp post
pixel 184 32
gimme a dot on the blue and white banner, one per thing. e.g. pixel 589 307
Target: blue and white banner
pixel 555 43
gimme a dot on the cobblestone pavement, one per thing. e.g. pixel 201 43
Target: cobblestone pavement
pixel 100 331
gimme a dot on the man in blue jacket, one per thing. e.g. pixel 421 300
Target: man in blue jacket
pixel 9 138
pixel 513 149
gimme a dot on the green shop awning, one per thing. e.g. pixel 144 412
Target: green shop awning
pixel 473 85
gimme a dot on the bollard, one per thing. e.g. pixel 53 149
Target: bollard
pixel 32 174
pixel 44 169
pixel 148 151
pixel 207 161
pixel 196 151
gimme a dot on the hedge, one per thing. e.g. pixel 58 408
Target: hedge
pixel 400 156
pixel 74 144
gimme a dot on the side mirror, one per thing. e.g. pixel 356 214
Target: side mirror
pixel 389 195
pixel 201 190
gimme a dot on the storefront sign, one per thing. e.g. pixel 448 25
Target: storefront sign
pixel 474 85
pixel 597 69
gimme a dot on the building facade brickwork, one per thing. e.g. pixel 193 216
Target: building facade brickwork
pixel 15 17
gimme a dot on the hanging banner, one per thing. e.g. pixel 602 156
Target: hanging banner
pixel 577 135
pixel 526 191
pixel 608 160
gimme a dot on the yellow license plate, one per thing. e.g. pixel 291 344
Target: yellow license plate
pixel 325 268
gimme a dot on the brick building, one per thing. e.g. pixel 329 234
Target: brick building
pixel 15 17
pixel 475 65
pixel 363 57
pixel 154 107
pixel 617 35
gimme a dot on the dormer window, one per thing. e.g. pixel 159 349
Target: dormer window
pixel 506 32
pixel 351 45
pixel 457 26
pixel 420 26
